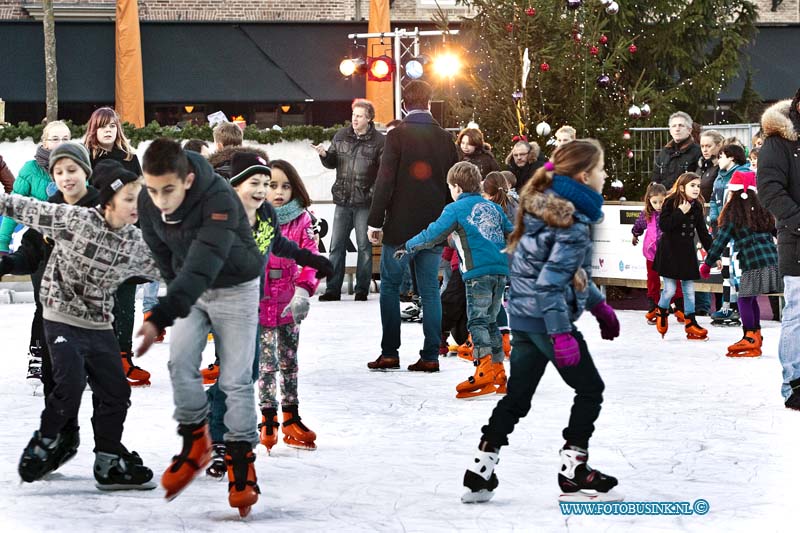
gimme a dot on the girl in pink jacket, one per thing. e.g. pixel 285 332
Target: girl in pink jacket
pixel 280 329
pixel 647 223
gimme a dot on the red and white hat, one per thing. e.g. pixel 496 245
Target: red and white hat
pixel 743 180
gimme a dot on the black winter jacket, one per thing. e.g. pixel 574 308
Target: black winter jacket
pixel 672 161
pixel 116 154
pixel 411 189
pixel 206 243
pixel 708 170
pixel 676 257
pixel 356 159
pixel 779 181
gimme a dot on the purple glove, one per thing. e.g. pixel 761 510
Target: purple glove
pixel 705 271
pixel 607 318
pixel 566 348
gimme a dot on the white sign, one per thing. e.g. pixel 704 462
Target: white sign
pixel 614 254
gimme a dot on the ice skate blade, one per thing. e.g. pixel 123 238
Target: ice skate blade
pixel 139 384
pixel 726 324
pixel 300 445
pixel 745 353
pixel 471 395
pixel 695 338
pixel 590 496
pixel 244 511
pixel 150 485
pixel 482 496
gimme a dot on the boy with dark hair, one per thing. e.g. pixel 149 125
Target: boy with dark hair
pixel 203 244
pixel 479 228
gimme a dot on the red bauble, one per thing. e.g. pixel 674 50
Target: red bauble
pixel 632 49
pixel 626 135
pixel 509 27
pixel 603 39
pixel 594 50
pixel 544 67
pixel 530 11
pixel 629 154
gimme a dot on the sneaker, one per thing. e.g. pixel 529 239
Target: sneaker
pixel 424 366
pixel 384 363
pixel 327 297
pixel 361 297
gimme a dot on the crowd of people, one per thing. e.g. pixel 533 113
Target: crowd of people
pixel 231 237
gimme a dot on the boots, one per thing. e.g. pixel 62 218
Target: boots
pixel 243 488
pixel 793 401
pixel 268 428
pixel 161 333
pixel 465 350
pixel 384 363
pixel 482 382
pixel 652 312
pixel 137 377
pixel 480 479
pixel 194 457
pixel 749 346
pixel 40 457
pixel 506 343
pixel 662 322
pixel 211 373
pixel 443 346
pixel 500 379
pixel 577 479
pixel 217 467
pixel 295 433
pixel 693 329
pixel 113 472
pixel 677 310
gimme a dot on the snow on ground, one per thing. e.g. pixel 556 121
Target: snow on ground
pixel 680 422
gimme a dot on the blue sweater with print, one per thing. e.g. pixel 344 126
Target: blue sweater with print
pixel 479 228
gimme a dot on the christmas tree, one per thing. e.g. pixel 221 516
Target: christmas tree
pixel 600 66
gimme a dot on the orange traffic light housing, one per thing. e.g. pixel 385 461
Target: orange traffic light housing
pixel 380 68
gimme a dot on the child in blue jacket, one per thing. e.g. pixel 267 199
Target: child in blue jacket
pixel 477 228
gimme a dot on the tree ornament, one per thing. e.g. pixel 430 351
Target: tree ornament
pixel 605 2
pixel 626 135
pixel 603 81
pixel 612 8
pixel 634 112
pixel 629 153
pixel 574 4
pixel 510 27
pixel 543 129
pixel 645 110
pixel 632 49
pixel 530 11
pixel 577 36
pixel 544 67
pixel 594 50
pixel 603 39
pixel 517 96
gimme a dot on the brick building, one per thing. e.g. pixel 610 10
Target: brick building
pixel 273 61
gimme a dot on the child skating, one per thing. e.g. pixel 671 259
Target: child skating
pixel 551 285
pixel 647 225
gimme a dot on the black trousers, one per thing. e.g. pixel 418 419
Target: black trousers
pixel 454 308
pixel 79 355
pixel 530 354
pixel 124 309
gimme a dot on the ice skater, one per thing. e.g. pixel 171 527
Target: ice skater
pixel 647 225
pixel 551 285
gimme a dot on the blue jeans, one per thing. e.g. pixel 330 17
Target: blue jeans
pixel 789 345
pixel 670 286
pixel 344 220
pixel 149 296
pixel 230 311
pixel 426 263
pixel 484 301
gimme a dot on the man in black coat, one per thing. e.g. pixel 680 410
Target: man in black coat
pixel 779 191
pixel 680 155
pixel 410 193
pixel 355 153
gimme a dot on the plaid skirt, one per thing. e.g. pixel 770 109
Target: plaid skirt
pixel 764 280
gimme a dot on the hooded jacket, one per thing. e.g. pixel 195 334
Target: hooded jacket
pixel 720 191
pixel 206 243
pixel 779 179
pixel 356 159
pixel 551 266
pixel 482 158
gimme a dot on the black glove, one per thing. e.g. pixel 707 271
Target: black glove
pixel 319 263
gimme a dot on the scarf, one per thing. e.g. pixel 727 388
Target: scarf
pixel 289 211
pixel 586 200
pixel 42 158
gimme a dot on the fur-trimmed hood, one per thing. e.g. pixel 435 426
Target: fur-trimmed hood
pixel 552 209
pixel 222 158
pixel 776 121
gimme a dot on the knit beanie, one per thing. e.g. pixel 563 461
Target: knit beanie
pixel 72 150
pixel 109 177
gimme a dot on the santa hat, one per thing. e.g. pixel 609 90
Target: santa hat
pixel 743 180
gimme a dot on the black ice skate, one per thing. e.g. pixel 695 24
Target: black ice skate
pixel 480 479
pixel 217 468
pixel 793 401
pixel 579 483
pixel 412 313
pixel 726 317
pixel 113 472
pixel 42 456
pixel 34 378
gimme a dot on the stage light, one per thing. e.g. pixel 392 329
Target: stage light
pixel 351 66
pixel 446 65
pixel 380 68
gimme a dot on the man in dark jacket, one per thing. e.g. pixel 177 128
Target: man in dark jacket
pixel 410 193
pixel 355 153
pixel 524 161
pixel 680 155
pixel 779 191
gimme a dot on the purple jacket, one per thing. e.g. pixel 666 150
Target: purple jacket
pixel 653 232
pixel 283 275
